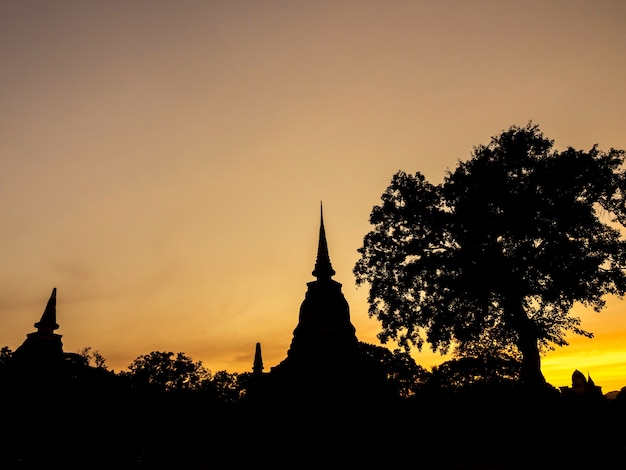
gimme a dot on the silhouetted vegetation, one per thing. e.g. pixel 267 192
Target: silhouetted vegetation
pixel 495 257
pixel 167 411
pixel 164 371
pixel 467 371
pixel 489 264
pixel 403 375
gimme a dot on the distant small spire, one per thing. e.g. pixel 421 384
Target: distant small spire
pixel 323 268
pixel 49 318
pixel 257 367
pixel 590 381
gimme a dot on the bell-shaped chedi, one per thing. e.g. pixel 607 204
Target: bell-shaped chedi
pixel 324 362
pixel 324 336
pixel 42 348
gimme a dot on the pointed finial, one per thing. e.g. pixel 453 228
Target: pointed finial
pixel 49 318
pixel 323 268
pixel 257 367
pixel 590 380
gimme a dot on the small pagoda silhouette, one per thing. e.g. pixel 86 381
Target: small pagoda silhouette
pixel 40 360
pixel 42 349
pixel 582 386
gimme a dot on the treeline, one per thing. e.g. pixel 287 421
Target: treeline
pixel 166 371
pixel 167 411
pixel 486 265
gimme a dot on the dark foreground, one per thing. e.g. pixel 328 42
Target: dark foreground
pixel 185 432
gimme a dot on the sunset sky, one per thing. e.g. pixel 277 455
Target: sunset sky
pixel 163 162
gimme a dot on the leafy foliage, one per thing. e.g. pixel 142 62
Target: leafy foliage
pixel 467 371
pixel 228 386
pixel 496 256
pixel 5 355
pixel 166 371
pixel 93 358
pixel 401 371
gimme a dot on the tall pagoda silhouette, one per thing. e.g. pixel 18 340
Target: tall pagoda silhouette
pixel 324 359
pixel 324 335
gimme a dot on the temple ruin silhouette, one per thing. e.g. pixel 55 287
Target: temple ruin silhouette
pixel 325 360
pixel 582 387
pixel 41 360
pixel 322 394
pixel 42 347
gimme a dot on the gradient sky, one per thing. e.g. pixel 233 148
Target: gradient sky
pixel 163 162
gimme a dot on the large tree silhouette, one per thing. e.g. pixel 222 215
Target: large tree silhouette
pixel 496 255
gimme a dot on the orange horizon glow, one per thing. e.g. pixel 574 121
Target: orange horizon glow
pixel 163 162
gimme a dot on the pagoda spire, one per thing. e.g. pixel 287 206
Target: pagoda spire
pixel 257 366
pixel 42 347
pixel 48 320
pixel 323 268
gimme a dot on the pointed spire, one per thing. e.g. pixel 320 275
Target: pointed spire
pixel 257 367
pixel 49 318
pixel 590 380
pixel 323 268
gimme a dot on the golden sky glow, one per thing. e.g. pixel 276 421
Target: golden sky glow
pixel 163 162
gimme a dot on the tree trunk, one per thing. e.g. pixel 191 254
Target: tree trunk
pixel 531 360
pixel 528 346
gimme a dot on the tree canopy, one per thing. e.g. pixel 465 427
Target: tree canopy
pixel 403 375
pixel 167 371
pixel 496 256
